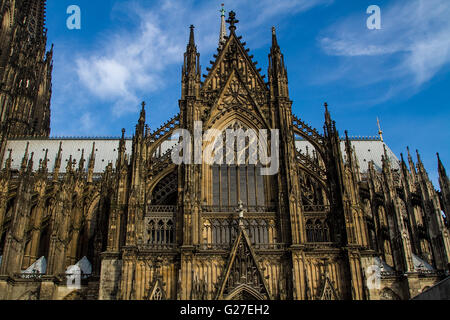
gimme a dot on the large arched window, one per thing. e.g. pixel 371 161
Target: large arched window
pixel 238 177
pixel 44 242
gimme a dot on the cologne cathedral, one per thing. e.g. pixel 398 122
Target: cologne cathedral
pixel 343 219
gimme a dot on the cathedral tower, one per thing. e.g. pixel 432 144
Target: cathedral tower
pixel 25 69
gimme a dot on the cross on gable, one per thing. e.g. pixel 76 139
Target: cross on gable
pixel 232 21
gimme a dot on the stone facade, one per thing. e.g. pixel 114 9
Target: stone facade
pixel 337 208
pixel 25 69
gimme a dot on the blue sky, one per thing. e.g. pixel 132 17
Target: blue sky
pixel 129 50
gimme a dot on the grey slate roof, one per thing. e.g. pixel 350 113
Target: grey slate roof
pixel 106 151
pixel 366 151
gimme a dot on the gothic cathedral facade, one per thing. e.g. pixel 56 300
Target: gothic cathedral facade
pixel 342 219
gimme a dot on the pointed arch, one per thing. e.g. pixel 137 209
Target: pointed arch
pixel 243 273
pixel 235 96
pixel 164 189
pixel 328 291
pixel 157 291
pixel 245 292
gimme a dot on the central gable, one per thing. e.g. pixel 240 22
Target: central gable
pixel 233 61
pixel 236 98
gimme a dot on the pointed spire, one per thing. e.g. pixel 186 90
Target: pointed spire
pixel 121 157
pixel 348 148
pixel 122 142
pixel 327 115
pixel 58 156
pixel 422 172
pixel 25 158
pixel 69 165
pixel 441 168
pixel 420 166
pixel 223 27
pixel 403 161
pixel 191 56
pixel 419 160
pixel 385 153
pixel 191 68
pixel 8 161
pixel 91 164
pixel 92 157
pixel 274 38
pixel 57 165
pixel 82 161
pixel 385 159
pixel 380 132
pixel 30 163
pixel 412 166
pixel 191 36
pixel 142 117
pixel 140 128
pixel 45 162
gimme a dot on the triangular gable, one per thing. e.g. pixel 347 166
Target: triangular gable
pixel 243 273
pixel 328 292
pixel 234 47
pixel 234 94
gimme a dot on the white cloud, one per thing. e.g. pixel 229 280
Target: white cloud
pixel 131 63
pixel 413 45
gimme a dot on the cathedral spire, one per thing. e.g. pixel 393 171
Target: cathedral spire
pixel 44 162
pixel 25 158
pixel 444 183
pixel 421 168
pixel 274 38
pixel 81 162
pixel 8 161
pixel 191 67
pixel 140 128
pixel 30 163
pixel 223 27
pixel 191 36
pixel 380 132
pixel 277 70
pixel 441 168
pixel 327 115
pixel 57 165
pixel 191 57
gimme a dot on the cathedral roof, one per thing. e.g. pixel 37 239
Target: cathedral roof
pixel 106 151
pixel 367 149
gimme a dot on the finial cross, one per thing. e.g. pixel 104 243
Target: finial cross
pixel 232 20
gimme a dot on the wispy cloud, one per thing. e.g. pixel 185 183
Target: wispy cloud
pixel 131 63
pixel 412 47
